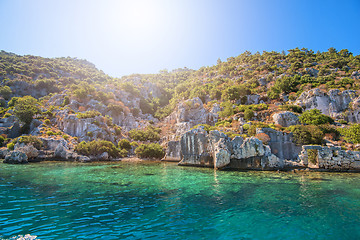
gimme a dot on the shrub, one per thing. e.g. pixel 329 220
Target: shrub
pixel 10 145
pixel 97 147
pixel 6 115
pixel 248 114
pixel 35 141
pixel 88 114
pixel 66 101
pixel 117 130
pixel 292 108
pixel 309 134
pixel 2 140
pixel 25 109
pixel 5 91
pixel 90 134
pixel 352 133
pixel 50 133
pixel 152 150
pixel 115 108
pixel 124 144
pixel 66 137
pixel 312 156
pixel 47 121
pixel 263 137
pixel 315 117
pixel 149 134
pixel 12 101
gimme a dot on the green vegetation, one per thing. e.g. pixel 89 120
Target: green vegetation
pixel 25 109
pixel 88 114
pixel 97 147
pixel 313 156
pixel 152 150
pixel 149 134
pixel 351 133
pixel 292 108
pixel 307 135
pixel 35 141
pixel 124 144
pixel 315 117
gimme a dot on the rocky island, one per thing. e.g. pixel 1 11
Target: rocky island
pixel 269 111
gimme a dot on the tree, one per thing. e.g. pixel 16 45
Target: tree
pixel 315 117
pixel 5 91
pixel 25 109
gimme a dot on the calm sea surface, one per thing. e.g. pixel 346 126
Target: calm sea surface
pixel 56 200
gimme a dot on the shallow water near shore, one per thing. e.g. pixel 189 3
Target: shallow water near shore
pixel 138 200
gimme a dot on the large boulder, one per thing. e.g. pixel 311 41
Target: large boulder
pixel 16 157
pixel 30 151
pixel 286 119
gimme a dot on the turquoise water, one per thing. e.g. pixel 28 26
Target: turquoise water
pixel 164 201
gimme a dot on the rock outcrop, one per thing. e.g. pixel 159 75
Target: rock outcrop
pixel 286 119
pixel 173 151
pixel 331 158
pixel 215 149
pixel 16 157
pixel 333 103
pixel 281 143
pixel 190 113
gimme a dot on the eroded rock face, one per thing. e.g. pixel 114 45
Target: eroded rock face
pixel 215 149
pixel 332 158
pixel 16 157
pixel 286 119
pixel 173 151
pixel 333 103
pixel 30 151
pixel 85 129
pixel 281 144
pixel 191 113
pixel 195 148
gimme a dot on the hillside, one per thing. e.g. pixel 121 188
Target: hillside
pixel 69 100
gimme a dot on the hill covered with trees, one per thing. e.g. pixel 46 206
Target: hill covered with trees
pixel 316 95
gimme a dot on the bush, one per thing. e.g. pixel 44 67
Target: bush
pixel 117 130
pixel 47 121
pixel 352 133
pixel 25 109
pixel 97 147
pixel 35 141
pixel 152 150
pixel 88 114
pixel 5 91
pixel 66 101
pixel 305 135
pixel 248 114
pixel 6 115
pixel 12 101
pixel 10 145
pixel 315 117
pixel 292 108
pixel 124 144
pixel 263 137
pixel 114 108
pixel 2 140
pixel 149 134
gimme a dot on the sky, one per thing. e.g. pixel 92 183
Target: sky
pixel 122 37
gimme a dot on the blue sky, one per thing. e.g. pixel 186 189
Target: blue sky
pixel 144 36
